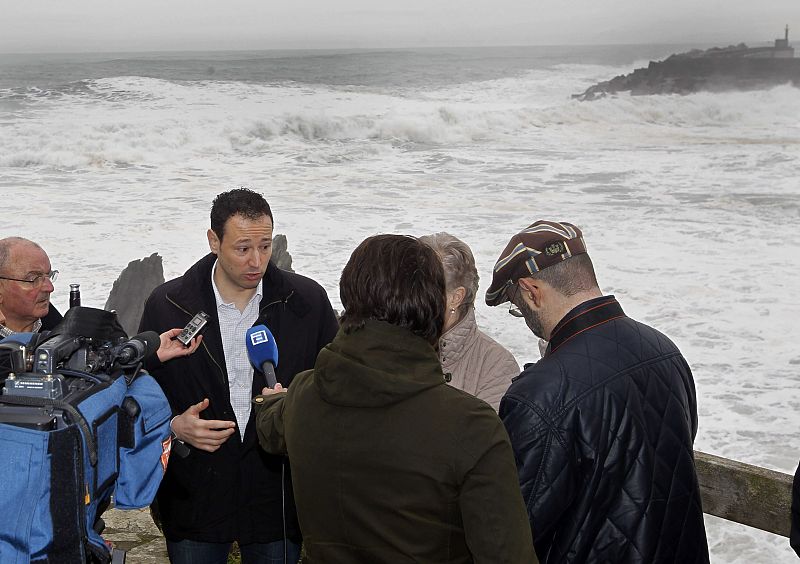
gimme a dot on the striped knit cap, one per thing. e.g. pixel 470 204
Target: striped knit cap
pixel 543 244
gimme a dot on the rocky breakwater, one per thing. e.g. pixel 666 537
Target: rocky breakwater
pixel 713 70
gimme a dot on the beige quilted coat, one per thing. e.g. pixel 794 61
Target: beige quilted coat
pixel 478 364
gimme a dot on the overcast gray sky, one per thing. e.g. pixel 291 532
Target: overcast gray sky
pixel 156 25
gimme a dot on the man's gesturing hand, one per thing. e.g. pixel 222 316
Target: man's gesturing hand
pixel 200 433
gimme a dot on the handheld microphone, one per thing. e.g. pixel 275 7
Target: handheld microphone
pixel 138 348
pixel 263 352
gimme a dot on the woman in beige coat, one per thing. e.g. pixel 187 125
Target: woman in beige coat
pixel 477 364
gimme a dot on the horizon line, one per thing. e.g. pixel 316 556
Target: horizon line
pixel 361 48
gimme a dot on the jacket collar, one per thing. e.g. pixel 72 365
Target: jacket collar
pixel 458 338
pixel 589 314
pixel 195 292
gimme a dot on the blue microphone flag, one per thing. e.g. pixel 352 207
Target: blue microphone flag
pixel 261 346
pixel 263 352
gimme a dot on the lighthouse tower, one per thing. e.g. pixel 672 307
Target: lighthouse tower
pixel 782 48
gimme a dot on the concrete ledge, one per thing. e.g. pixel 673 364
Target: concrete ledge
pixel 135 532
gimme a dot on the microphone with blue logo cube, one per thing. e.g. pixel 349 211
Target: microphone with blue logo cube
pixel 263 352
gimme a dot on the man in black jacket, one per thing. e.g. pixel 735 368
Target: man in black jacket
pixel 227 488
pixel 603 425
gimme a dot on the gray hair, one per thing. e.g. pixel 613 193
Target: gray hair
pixel 458 263
pixel 7 245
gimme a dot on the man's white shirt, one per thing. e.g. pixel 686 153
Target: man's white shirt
pixel 233 326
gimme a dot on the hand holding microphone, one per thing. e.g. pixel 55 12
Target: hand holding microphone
pixel 171 348
pixel 272 391
pixel 263 353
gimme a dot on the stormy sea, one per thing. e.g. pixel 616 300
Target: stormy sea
pixel 690 204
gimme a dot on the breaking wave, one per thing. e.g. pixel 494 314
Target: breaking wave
pixel 134 121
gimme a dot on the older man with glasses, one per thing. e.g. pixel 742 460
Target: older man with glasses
pixel 603 425
pixel 26 282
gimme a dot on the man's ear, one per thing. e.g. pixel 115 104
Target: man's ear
pixel 213 241
pixel 532 290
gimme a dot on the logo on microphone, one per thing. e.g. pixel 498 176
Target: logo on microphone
pixel 258 337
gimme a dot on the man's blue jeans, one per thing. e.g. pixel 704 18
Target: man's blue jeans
pixel 194 552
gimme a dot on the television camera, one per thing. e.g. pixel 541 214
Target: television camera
pixel 87 349
pixel 80 422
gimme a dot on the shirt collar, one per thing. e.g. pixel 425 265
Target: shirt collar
pixel 5 331
pixel 218 297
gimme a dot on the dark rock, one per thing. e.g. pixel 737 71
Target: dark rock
pixel 280 254
pixel 132 288
pixel 737 67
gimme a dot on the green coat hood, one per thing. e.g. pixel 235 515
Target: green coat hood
pixel 377 365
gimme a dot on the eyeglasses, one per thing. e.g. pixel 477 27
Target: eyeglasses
pixel 37 281
pixel 513 309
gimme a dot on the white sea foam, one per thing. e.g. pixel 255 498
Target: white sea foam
pixel 689 205
pixel 132 121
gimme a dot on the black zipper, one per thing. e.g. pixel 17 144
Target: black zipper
pixel 282 300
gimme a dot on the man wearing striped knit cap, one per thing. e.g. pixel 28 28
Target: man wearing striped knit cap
pixel 603 425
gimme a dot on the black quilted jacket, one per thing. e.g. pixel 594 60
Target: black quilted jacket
pixel 602 429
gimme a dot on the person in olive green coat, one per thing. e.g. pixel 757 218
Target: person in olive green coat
pixel 390 464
